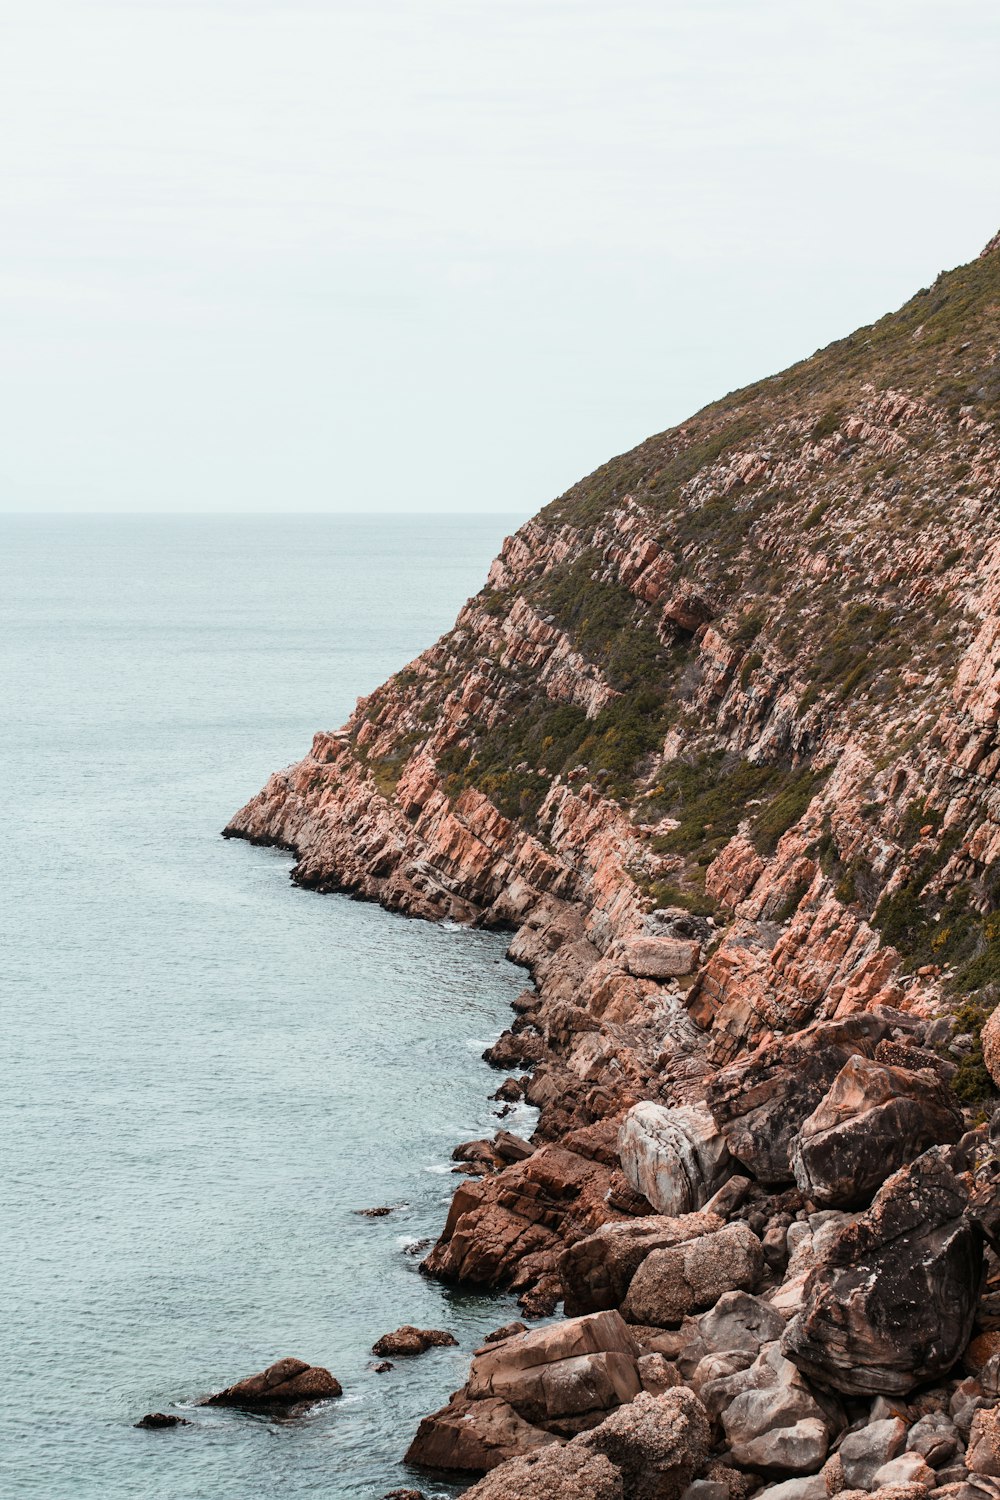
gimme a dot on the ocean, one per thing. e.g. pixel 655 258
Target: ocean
pixel 208 1072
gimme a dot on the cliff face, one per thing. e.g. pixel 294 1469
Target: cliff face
pixel 749 669
pixel 718 742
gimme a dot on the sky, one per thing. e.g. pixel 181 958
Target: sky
pixel 450 255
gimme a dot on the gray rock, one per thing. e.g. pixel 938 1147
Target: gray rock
pixel 770 1417
pixel 935 1437
pixel 908 1468
pixel 811 1487
pixel 864 1452
pixel 676 1158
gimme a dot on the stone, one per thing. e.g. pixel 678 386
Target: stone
pixel 673 1282
pixel 285 1384
pixel 770 1417
pixel 811 1487
pixel 935 1437
pixel 676 1158
pixel 563 1375
pixel 597 1271
pixel 474 1436
pixel 892 1301
pixel 568 1473
pixel 983 1453
pixel 760 1102
pixel 863 1452
pixel 404 1495
pixel 382 1366
pixel 872 1120
pixel 657 1374
pixel 154 1420
pixel 739 1321
pixel 661 957
pixel 908 1468
pixel 990 1037
pixel 409 1340
pixel 657 1443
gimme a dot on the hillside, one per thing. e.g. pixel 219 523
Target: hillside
pixel 717 741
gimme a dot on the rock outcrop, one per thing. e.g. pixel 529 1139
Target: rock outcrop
pixel 718 743
pixel 286 1384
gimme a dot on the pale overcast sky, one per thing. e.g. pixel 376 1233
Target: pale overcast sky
pixel 450 254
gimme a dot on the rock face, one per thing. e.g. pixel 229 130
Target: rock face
pixel 872 1120
pixel 718 743
pixel 285 1384
pixel 892 1301
pixel 676 1158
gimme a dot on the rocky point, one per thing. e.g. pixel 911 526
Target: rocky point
pixel 718 743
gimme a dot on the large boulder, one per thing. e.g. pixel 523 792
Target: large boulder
pixel 474 1436
pixel 676 1158
pixel 760 1102
pixel 872 1120
pixel 671 1283
pixel 528 1388
pixel 562 1377
pixel 568 1473
pixel 892 1301
pixel 661 957
pixel 647 1450
pixel 597 1271
pixel 990 1037
pixel 286 1383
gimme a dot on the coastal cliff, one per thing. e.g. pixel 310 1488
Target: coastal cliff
pixel 718 743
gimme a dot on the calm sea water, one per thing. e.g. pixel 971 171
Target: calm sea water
pixel 205 1070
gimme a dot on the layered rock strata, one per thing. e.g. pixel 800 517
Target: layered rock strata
pixel 718 744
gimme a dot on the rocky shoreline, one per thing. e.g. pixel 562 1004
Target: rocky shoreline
pixel 718 744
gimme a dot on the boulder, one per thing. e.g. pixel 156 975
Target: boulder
pixel 892 1301
pixel 811 1487
pixel 154 1420
pixel 562 1377
pixel 647 1450
pixel 661 957
pixel 760 1102
pixel 656 1442
pixel 597 1271
pixel 935 1437
pixel 474 1436
pixel 675 1157
pixel 568 1473
pixel 872 1121
pixel 908 1468
pixel 673 1282
pixel 287 1383
pixel 983 1453
pixel 410 1340
pixel 771 1419
pixel 990 1037
pixel 863 1452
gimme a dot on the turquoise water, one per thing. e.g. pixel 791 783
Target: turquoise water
pixel 206 1070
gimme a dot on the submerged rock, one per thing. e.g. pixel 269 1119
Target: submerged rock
pixel 153 1420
